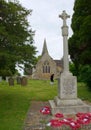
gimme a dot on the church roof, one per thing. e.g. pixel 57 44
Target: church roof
pixel 45 51
pixel 59 62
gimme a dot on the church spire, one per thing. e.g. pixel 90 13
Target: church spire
pixel 44 48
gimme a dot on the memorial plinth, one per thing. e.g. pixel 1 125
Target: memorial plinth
pixel 66 101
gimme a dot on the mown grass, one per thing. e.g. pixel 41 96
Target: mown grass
pixel 84 92
pixel 16 100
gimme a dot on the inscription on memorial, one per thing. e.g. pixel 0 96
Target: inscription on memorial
pixel 68 86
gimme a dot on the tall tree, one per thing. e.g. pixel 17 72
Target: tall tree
pixel 16 36
pixel 80 42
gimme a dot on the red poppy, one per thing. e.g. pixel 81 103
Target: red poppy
pixel 79 114
pixel 84 121
pixel 59 115
pixel 83 115
pixel 84 118
pixel 87 115
pixel 66 121
pixel 55 123
pixel 45 110
pixel 74 125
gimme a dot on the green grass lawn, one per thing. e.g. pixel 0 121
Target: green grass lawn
pixel 16 100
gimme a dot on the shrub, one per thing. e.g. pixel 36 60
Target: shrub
pixel 85 75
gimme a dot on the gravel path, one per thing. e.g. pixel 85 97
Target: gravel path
pixel 34 119
pixel 37 121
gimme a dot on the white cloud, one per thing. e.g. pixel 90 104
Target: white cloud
pixel 45 21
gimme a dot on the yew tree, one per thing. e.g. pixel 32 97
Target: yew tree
pixel 80 41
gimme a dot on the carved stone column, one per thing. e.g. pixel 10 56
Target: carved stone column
pixel 66 101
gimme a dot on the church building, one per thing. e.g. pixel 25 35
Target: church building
pixel 47 66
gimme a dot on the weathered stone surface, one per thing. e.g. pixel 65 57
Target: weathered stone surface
pixel 66 101
pixel 47 66
pixel 64 17
pixel 11 81
pixel 18 80
pixel 69 109
pixel 24 81
pixel 7 78
pixel 67 86
pixel 34 119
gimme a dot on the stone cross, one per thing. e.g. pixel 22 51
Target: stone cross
pixel 67 101
pixel 64 16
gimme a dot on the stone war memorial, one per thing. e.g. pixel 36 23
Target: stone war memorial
pixel 67 101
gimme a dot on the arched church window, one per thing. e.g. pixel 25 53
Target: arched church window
pixel 46 67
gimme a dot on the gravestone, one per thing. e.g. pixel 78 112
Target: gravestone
pixel 7 77
pixel 67 101
pixel 11 81
pixel 18 80
pixel 23 81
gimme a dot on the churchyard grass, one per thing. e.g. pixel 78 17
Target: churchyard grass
pixel 15 100
pixel 84 92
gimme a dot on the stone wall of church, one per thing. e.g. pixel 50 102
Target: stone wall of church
pixel 46 60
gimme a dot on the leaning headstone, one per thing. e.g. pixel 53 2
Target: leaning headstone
pixel 0 78
pixel 11 81
pixel 23 81
pixel 18 80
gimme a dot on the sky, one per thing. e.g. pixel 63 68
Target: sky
pixel 47 25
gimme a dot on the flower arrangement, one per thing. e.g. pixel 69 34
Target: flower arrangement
pixel 60 121
pixel 59 115
pixel 45 110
